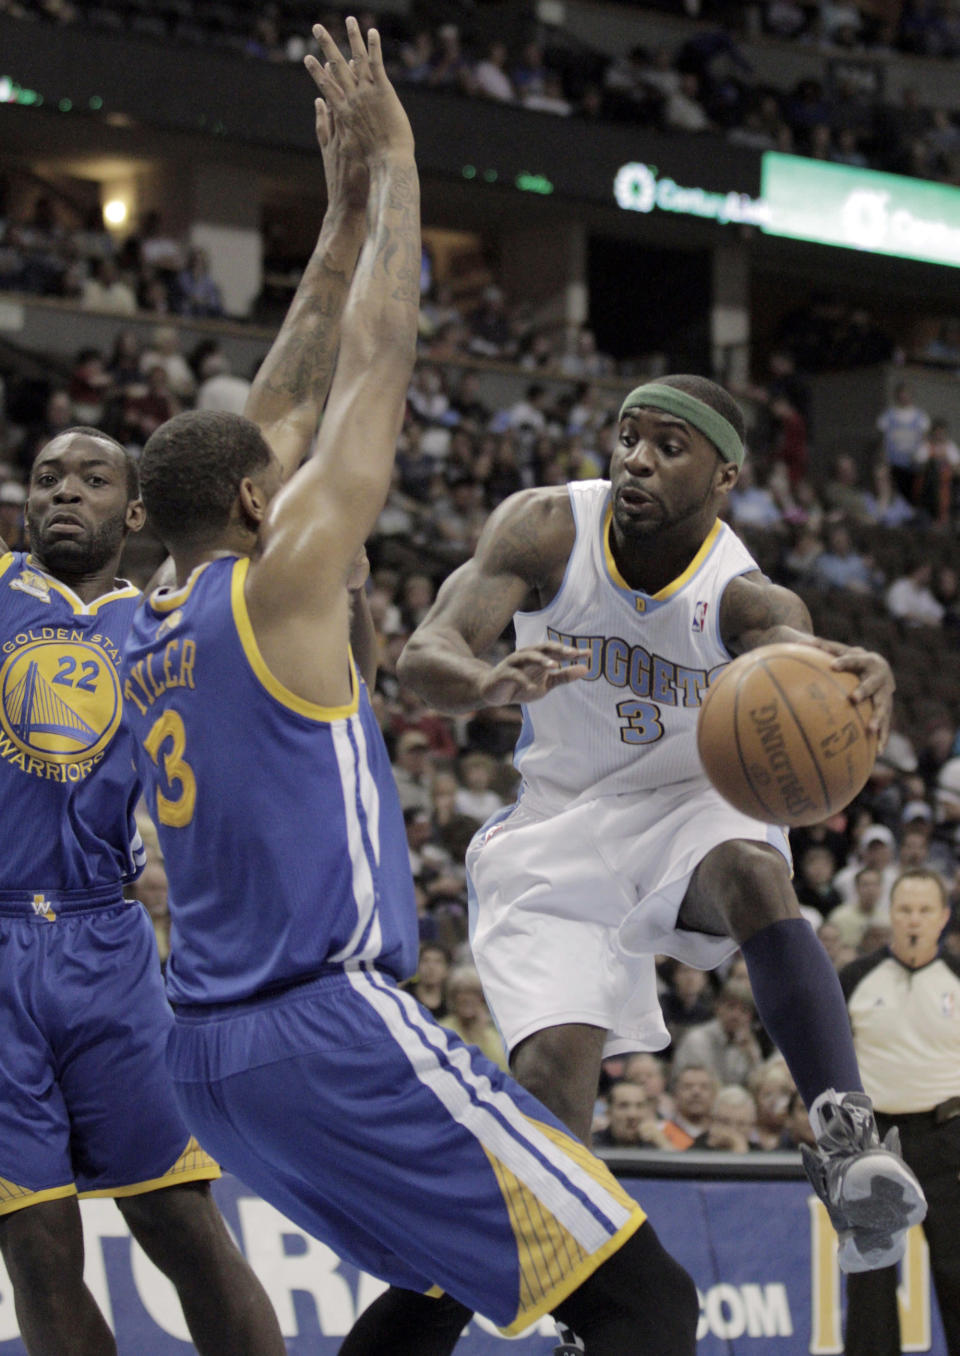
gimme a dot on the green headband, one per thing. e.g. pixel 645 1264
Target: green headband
pixel 710 422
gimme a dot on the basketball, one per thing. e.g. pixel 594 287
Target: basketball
pixel 780 738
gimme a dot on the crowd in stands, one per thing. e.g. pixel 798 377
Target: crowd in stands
pixel 460 454
pixel 704 83
pixel 48 253
pixel 127 392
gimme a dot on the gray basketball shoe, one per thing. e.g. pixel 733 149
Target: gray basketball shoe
pixel 871 1195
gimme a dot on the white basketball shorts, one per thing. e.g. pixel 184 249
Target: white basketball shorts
pixel 569 909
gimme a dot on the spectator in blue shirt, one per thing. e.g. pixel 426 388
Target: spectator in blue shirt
pixel 195 292
pixel 841 567
pixel 903 426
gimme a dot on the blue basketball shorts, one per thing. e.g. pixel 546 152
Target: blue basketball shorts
pixel 414 1157
pixel 86 1104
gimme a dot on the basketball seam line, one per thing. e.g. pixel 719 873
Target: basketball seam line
pixel 802 733
pixel 743 765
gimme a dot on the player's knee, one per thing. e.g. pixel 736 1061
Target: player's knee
pixel 750 884
pixel 684 1303
pixel 539 1067
pixel 562 1061
pixel 677 1302
pixel 640 1289
pixel 175 1225
pixel 553 1083
pixel 38 1253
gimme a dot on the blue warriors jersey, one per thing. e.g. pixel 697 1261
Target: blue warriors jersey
pixel 279 819
pixel 68 787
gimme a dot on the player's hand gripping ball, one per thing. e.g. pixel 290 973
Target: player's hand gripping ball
pixel 781 740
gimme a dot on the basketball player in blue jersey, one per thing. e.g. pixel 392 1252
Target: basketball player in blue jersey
pixel 297 1058
pixel 86 1104
pixel 626 596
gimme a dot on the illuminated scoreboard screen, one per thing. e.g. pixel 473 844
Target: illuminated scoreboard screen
pixel 815 200
pixel 860 209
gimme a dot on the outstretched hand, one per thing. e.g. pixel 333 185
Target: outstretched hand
pixel 876 683
pixel 528 674
pixel 358 111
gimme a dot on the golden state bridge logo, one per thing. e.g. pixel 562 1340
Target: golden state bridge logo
pixel 59 705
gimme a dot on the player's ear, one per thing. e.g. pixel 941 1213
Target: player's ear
pixel 135 516
pixel 727 476
pixel 252 502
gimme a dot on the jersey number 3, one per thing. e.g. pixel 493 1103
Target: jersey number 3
pixel 177 813
pixel 641 722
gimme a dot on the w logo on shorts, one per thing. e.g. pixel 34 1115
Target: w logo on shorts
pixel 42 909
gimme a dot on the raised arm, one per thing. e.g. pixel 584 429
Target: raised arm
pixel 318 522
pixel 524 545
pixel 288 393
pixel 345 483
pixel 754 612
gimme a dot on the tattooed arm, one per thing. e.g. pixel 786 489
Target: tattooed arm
pixel 754 612
pixel 313 529
pixel 519 560
pixel 289 390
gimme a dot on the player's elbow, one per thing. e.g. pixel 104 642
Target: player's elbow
pixel 409 662
pixel 418 662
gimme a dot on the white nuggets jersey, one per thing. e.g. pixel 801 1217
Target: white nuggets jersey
pixel 630 724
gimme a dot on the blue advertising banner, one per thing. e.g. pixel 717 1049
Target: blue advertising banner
pixel 763 1256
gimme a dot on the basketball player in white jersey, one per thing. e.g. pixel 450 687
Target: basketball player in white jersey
pixel 626 596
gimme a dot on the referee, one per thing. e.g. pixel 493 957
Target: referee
pixel 904 1005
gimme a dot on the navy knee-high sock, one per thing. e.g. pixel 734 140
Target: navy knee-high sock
pixel 801 1004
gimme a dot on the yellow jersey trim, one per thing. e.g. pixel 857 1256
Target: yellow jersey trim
pixel 675 585
pixel 576 1277
pixel 193 1165
pixel 131 591
pixel 209 1174
pixel 273 685
pixel 6 560
pixel 164 600
pixel 552 1262
pixel 20 1197
pixel 83 609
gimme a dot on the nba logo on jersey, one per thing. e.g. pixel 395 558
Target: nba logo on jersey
pixel 170 623
pixel 699 615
